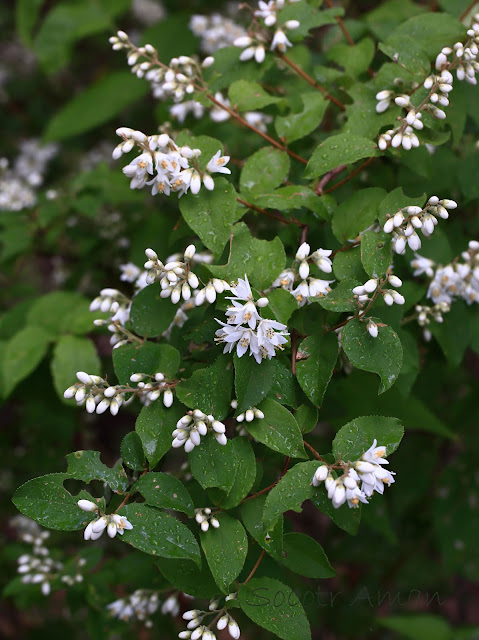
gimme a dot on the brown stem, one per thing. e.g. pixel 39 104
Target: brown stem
pixel 242 121
pixel 319 189
pixel 311 81
pixel 253 570
pixel 464 13
pixel 271 214
pixel 304 234
pixel 346 33
pixel 348 247
pixel 314 452
pixel 349 176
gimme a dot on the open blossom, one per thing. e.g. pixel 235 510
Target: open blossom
pixel 112 523
pixel 360 479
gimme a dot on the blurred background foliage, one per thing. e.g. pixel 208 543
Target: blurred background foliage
pixel 413 569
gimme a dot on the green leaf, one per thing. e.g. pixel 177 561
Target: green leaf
pixel 211 214
pixel 291 198
pixel 381 355
pixel 23 353
pixel 252 382
pixel 72 354
pixel 407 52
pixel 285 388
pixel 341 298
pixel 355 59
pixel 26 15
pixel 159 533
pixel 278 430
pixel 362 118
pixel 132 452
pixel 261 260
pixel 62 27
pixel 94 106
pixel 202 390
pixel 274 606
pixel 389 14
pixel 303 555
pixel 213 464
pixel 299 125
pixel 347 264
pixel 433 30
pixel 357 436
pixel 248 96
pixel 47 501
pixel 418 626
pixel 357 213
pixel 344 517
pixel 376 253
pixel 264 171
pixel 61 312
pixel 164 490
pixel 154 425
pixel 225 550
pixel 186 576
pixel 145 358
pixel 307 417
pixel 290 492
pixel 316 358
pixel 150 314
pixel 87 466
pixel 270 540
pixel 281 306
pixel 337 150
pixel 244 477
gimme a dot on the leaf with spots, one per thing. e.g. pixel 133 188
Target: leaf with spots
pixel 87 466
pixel 278 430
pixel 316 357
pixel 355 437
pixel 164 490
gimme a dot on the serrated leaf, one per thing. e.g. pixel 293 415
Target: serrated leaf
pixel 252 382
pixel 202 390
pixel 186 576
pixel 271 540
pixel 46 501
pixel 213 464
pixel 95 105
pixel 278 430
pixel 164 490
pixel 357 213
pixel 347 264
pixel 316 358
pixel 146 358
pixel 357 436
pixel 225 550
pixel 307 417
pixel 159 533
pixel 154 425
pixel 290 492
pixel 303 555
pixel 381 355
pixel 293 197
pixel 244 477
pixel 211 214
pixel 298 125
pixel 261 260
pixel 355 59
pixel 72 354
pixel 249 96
pixel 151 314
pixel 264 171
pixel 87 466
pixel 341 298
pixel 281 305
pixel 274 606
pixel 23 353
pixel 376 253
pixel 337 150
pixel 132 452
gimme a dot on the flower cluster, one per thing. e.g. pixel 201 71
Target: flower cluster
pixel 98 396
pixel 249 415
pixel 458 279
pixel 215 31
pixel 439 85
pixel 113 523
pixel 192 426
pixel 204 518
pixel 148 12
pixel 38 567
pixel 368 472
pixel 166 164
pixel 140 605
pixel 255 46
pixel 261 336
pixel 197 630
pixel 297 279
pixel 405 224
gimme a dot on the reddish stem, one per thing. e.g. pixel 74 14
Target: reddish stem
pixel 314 452
pixel 253 570
pixel 349 176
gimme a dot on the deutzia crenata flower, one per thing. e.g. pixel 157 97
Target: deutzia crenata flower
pixel 192 426
pixel 140 605
pixel 204 518
pixel 280 41
pixel 112 523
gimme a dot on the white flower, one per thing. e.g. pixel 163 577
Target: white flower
pixel 129 272
pixel 113 523
pixel 217 163
pixel 280 41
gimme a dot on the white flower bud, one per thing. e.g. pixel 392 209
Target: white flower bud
pixel 207 62
pixel 168 398
pixel 370 285
pixel 372 328
pixel 84 377
pixel 243 41
pixel 87 505
pixel 262 302
pixel 388 225
pixel 395 281
pixel 303 270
